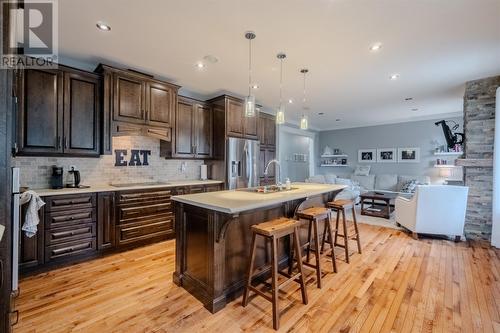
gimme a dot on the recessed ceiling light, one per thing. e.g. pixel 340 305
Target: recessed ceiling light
pixel 376 47
pixel 394 76
pixel 290 101
pixel 414 109
pixel 255 86
pixel 200 65
pixel 103 26
pixel 337 119
pixel 409 99
pixel 211 59
pixel 321 113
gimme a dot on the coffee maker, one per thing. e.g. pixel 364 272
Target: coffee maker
pixel 57 177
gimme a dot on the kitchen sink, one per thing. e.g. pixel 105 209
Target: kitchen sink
pixel 267 189
pixel 138 184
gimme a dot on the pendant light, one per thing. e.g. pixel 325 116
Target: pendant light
pixel 304 124
pixel 250 99
pixel 280 114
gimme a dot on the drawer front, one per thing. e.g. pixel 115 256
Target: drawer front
pixel 130 233
pixel 67 218
pixel 70 249
pixel 65 202
pixel 141 198
pixel 134 212
pixel 72 233
pixel 212 188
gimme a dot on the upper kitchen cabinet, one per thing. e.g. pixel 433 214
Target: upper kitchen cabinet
pixel 58 112
pixel 136 104
pixel 193 131
pixel 237 125
pixel 267 130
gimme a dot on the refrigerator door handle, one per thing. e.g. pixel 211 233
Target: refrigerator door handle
pixel 15 241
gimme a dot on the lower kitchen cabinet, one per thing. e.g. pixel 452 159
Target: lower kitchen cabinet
pixel 81 226
pixel 105 220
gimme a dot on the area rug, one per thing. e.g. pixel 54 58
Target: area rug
pixel 378 221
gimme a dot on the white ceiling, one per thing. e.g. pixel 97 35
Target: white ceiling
pixel 435 45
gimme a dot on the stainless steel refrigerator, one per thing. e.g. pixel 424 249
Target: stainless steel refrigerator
pixel 16 221
pixel 242 163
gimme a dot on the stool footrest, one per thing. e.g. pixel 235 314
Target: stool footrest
pixel 261 293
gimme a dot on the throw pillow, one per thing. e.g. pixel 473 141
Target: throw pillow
pixel 409 187
pixel 362 170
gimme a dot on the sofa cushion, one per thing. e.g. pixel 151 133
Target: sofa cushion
pixel 330 178
pixel 366 182
pixel 362 170
pixel 409 187
pixel 386 182
pixel 316 179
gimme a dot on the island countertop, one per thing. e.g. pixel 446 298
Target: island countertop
pixel 236 201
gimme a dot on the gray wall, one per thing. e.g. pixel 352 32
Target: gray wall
pixel 423 134
pixel 294 144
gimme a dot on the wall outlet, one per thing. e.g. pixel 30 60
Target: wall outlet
pixel 183 167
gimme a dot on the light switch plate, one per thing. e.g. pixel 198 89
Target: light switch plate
pixel 2 228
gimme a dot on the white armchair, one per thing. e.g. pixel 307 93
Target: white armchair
pixel 434 209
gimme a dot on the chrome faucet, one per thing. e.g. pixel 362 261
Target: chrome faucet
pixel 278 176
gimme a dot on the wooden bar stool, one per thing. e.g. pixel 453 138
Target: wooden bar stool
pixel 313 215
pixel 274 230
pixel 340 207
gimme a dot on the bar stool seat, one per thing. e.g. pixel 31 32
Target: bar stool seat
pixel 313 215
pixel 274 230
pixel 340 206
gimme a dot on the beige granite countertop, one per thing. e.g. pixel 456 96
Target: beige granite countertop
pixel 236 201
pixel 111 188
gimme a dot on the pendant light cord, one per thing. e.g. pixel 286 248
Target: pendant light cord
pixel 281 82
pixel 304 99
pixel 249 67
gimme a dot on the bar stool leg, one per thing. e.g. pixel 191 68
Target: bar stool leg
pixel 330 234
pixel 337 227
pixel 356 229
pixel 346 239
pixel 317 254
pixel 250 271
pixel 274 253
pixel 323 241
pixel 308 249
pixel 296 242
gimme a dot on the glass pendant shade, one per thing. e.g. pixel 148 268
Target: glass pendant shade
pixel 304 124
pixel 250 106
pixel 280 115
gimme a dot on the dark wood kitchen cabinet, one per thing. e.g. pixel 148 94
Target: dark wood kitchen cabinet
pixel 236 124
pixel 31 249
pixel 136 104
pixel 267 138
pixel 193 134
pixel 105 220
pixel 58 112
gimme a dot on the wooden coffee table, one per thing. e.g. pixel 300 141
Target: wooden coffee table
pixel 379 204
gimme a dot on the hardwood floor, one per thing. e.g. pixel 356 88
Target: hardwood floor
pixel 398 284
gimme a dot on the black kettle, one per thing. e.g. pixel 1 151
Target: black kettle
pixel 73 178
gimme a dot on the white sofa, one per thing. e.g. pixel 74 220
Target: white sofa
pixel 362 184
pixel 434 209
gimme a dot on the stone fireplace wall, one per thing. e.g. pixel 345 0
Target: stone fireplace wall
pixel 479 128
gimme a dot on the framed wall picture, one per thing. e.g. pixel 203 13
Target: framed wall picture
pixel 408 155
pixel 367 155
pixel 387 155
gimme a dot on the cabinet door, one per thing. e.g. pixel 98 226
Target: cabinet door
pixel 270 130
pixel 250 126
pixel 31 248
pixel 129 99
pixel 262 121
pixel 105 220
pixel 203 131
pixel 184 143
pixel 161 104
pixel 262 163
pixel 40 111
pixel 81 114
pixel 234 114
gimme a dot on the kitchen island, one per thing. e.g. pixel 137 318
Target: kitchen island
pixel 213 235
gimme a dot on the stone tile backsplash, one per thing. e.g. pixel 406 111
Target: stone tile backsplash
pixel 36 171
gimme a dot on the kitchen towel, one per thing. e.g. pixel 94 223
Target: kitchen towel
pixel 31 220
